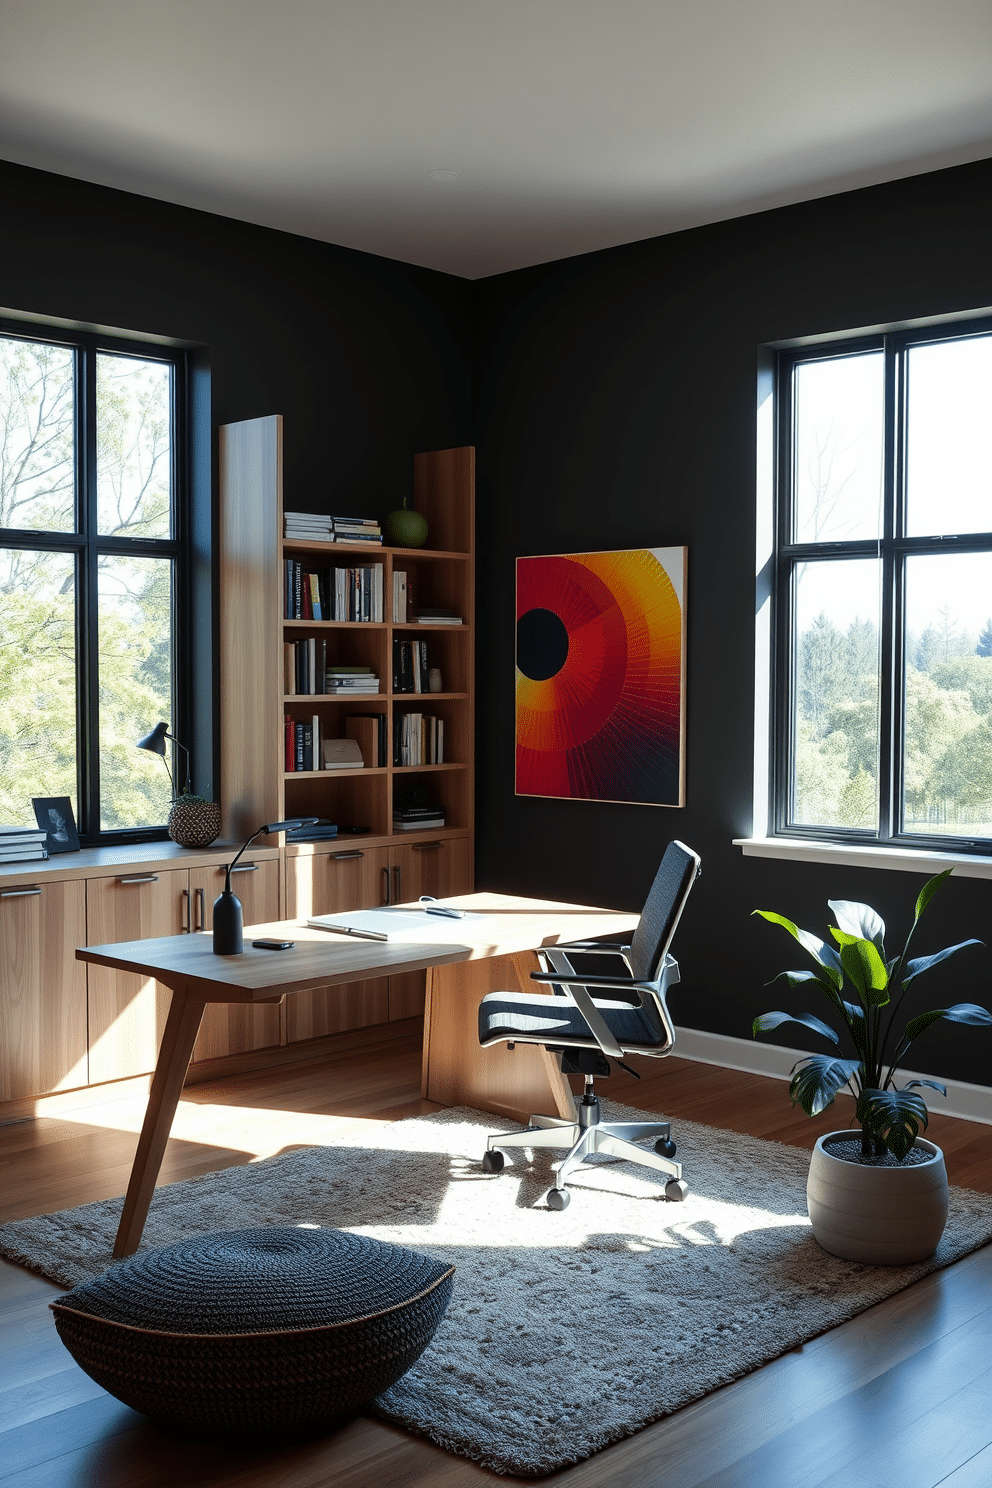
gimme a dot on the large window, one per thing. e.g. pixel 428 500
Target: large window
pixel 882 675
pixel 92 578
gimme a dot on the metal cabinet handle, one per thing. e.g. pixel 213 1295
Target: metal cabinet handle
pixel 19 893
pixel 425 846
pixel 244 868
pixel 398 883
pixel 189 912
pixel 201 912
pixel 139 878
pixel 340 857
pixel 385 885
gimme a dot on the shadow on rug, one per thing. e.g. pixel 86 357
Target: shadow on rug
pixel 567 1331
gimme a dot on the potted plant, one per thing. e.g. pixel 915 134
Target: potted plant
pixel 878 1194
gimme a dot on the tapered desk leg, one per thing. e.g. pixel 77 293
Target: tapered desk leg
pixel 181 1028
pixel 458 1071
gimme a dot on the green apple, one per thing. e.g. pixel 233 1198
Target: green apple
pixel 405 528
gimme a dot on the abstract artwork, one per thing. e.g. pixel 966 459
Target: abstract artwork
pixel 600 713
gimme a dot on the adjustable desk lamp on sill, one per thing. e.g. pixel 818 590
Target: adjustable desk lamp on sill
pixel 228 919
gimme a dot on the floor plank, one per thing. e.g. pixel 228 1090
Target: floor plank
pixel 898 1394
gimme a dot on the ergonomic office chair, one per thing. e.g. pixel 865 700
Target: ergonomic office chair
pixel 589 1029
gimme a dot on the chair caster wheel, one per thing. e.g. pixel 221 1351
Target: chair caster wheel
pixel 676 1190
pixel 665 1147
pixel 493 1160
pixel 558 1198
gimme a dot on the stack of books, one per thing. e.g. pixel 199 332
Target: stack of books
pixel 22 844
pixel 417 818
pixel 320 831
pixel 350 680
pixel 357 530
pixel 309 526
pixel 434 615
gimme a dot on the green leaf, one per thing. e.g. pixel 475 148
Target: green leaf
pixel 858 920
pixel 824 955
pixel 928 890
pixel 921 964
pixel 866 969
pixel 930 1084
pixel 767 1021
pixel 893 1117
pixel 817 1079
pixel 804 979
pixel 961 1012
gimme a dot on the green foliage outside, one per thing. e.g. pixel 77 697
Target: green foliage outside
pixel 948 734
pixel 38 687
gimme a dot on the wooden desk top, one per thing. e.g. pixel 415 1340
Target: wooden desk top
pixel 320 958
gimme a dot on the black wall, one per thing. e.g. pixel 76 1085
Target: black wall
pixel 615 408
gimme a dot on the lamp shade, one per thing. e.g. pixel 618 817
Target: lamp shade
pixel 155 741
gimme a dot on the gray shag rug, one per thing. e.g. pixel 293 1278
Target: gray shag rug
pixel 567 1331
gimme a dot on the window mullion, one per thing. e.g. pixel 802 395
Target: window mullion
pixel 89 641
pixel 890 646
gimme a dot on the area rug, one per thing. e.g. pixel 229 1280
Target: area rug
pixel 567 1331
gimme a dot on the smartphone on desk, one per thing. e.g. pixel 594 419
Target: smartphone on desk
pixel 274 945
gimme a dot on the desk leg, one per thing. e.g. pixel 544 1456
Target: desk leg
pixel 457 1071
pixel 181 1028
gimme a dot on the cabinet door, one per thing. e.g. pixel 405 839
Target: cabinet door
pixel 42 988
pixel 236 1027
pixel 127 1011
pixel 440 868
pixel 330 883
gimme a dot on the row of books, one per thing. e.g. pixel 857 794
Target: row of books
pixel 409 666
pixel 333 593
pixel 23 844
pixel 306 672
pixel 315 527
pixel 418 739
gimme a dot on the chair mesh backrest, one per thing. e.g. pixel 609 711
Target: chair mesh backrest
pixel 661 911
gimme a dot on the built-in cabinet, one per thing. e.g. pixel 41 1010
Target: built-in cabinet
pixel 42 986
pixel 65 1025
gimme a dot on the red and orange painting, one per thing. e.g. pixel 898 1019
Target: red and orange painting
pixel 600 712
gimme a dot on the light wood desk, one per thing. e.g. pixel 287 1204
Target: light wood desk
pixel 467 960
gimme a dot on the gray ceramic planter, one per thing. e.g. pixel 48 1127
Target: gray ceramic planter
pixel 889 1216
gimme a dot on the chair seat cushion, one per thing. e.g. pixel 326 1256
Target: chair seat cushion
pixel 261 1328
pixel 556 1020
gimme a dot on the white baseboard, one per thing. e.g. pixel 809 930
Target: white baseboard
pixel 970 1102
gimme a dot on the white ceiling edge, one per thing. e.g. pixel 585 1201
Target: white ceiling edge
pixel 466 242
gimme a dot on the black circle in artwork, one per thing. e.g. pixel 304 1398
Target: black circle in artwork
pixel 542 644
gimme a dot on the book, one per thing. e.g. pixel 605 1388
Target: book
pixel 438 619
pixel 342 754
pixel 418 826
pixel 25 852
pixel 357 726
pixel 9 835
pixel 399 597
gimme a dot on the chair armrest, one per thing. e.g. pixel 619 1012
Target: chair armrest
pixel 597 1023
pixel 625 985
pixel 594 947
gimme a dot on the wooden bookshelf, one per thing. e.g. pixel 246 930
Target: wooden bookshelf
pixel 378 864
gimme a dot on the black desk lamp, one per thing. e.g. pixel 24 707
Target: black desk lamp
pixel 155 742
pixel 228 920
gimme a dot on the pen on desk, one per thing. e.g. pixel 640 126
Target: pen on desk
pixel 430 907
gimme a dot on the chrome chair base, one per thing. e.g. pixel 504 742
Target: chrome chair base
pixel 580 1139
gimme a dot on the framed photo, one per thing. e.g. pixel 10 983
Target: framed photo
pixel 54 814
pixel 600 676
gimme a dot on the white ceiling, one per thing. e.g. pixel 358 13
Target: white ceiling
pixel 571 124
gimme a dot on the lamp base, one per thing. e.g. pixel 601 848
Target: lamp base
pixel 228 925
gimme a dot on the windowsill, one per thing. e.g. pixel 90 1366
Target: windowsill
pixel 909 860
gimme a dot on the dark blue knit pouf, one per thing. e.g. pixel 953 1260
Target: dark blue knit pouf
pixel 262 1328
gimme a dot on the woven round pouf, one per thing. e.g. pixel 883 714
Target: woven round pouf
pixel 262 1328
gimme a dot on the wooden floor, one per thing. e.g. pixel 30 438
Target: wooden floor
pixel 900 1395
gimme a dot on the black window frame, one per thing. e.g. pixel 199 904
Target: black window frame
pixel 87 546
pixel 892 548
